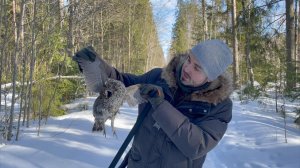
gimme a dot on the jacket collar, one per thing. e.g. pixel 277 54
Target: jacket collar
pixel 219 89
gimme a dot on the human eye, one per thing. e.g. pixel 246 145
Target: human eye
pixel 197 68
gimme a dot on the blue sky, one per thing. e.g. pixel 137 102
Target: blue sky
pixel 164 15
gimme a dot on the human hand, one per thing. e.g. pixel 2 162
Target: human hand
pixel 154 94
pixel 83 55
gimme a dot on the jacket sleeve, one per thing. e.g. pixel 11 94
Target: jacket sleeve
pixel 88 54
pixel 192 140
pixel 131 79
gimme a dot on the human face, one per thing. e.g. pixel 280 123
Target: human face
pixel 192 73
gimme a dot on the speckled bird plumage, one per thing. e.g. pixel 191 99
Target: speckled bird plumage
pixel 109 101
pixel 112 93
pixel 107 104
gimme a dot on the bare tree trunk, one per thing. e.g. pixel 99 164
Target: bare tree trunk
pixel 298 56
pixel 205 33
pixel 109 40
pixel 26 104
pixel 129 40
pixel 290 44
pixel 32 62
pixel 297 39
pixel 70 48
pixel 123 45
pixel 114 60
pixel 247 21
pixel 120 56
pixel 212 19
pixel 5 64
pixel 24 64
pixel 40 109
pixel 296 33
pixel 94 26
pixel 61 12
pixel 102 32
pixel 4 38
pixel 216 18
pixel 14 75
pixel 236 70
pixel 228 18
pixel 149 56
pixel 2 9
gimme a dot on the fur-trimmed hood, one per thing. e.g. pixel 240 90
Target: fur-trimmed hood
pixel 219 89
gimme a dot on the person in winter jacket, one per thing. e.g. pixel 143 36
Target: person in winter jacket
pixel 190 110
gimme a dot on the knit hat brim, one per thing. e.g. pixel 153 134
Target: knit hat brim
pixel 214 57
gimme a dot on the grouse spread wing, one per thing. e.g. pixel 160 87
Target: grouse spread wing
pixel 90 65
pixel 133 96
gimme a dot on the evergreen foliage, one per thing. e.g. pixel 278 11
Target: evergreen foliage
pixel 261 38
pixel 49 32
pixel 38 38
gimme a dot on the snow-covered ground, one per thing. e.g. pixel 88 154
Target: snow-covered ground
pixel 255 139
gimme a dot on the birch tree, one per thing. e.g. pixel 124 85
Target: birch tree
pixel 14 74
pixel 32 62
pixel 71 9
pixel 236 70
pixel 248 31
pixel 2 13
pixel 290 44
pixel 205 31
pixel 24 58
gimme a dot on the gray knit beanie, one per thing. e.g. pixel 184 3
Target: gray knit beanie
pixel 214 57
